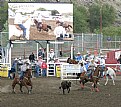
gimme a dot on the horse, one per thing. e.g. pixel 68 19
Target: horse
pixel 72 61
pixel 26 81
pixel 65 25
pixel 94 78
pixel 109 72
pixel 42 26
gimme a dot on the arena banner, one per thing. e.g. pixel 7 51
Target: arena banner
pixel 40 21
pixel 58 70
pixel 3 70
pixel 69 71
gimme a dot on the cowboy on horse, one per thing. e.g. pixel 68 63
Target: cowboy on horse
pixel 91 68
pixel 24 67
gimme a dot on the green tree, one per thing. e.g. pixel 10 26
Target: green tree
pixel 54 12
pixel 94 17
pixel 3 14
pixel 80 19
pixel 105 11
pixel 108 15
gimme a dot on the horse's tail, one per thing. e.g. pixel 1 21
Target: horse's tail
pixel 114 74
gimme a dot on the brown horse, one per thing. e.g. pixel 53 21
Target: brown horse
pixel 41 26
pixel 95 78
pixel 65 25
pixel 72 61
pixel 26 81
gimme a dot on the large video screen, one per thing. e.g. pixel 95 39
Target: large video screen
pixel 40 21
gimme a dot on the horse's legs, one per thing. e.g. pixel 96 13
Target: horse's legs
pixel 113 80
pixel 68 89
pixel 106 80
pixel 13 86
pixel 21 88
pixel 63 91
pixel 95 86
pixel 31 87
pixel 82 84
pixel 29 91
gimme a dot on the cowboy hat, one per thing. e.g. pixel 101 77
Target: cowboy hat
pixel 78 53
pixel 51 49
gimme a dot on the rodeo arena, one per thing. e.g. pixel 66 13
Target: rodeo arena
pixel 54 67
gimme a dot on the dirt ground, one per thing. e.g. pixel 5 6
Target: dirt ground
pixel 46 93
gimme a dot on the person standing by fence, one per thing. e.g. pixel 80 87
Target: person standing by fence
pixel 51 55
pixel 78 57
pixel 44 68
pixel 32 57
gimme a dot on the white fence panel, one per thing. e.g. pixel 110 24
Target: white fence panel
pixel 69 71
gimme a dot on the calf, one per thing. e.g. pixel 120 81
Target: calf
pixel 65 85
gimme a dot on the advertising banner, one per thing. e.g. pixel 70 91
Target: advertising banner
pixel 3 70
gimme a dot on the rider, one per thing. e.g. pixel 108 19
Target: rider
pixel 102 64
pixel 39 25
pixel 24 67
pixel 91 68
pixel 82 69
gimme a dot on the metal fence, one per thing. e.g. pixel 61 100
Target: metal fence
pixel 82 43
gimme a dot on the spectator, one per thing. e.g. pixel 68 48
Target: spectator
pixel 0 52
pixel 44 68
pixel 51 55
pixel 119 60
pixel 78 57
pixel 37 68
pixel 15 64
pixel 56 60
pixel 41 52
pixel 32 57
pixel 60 52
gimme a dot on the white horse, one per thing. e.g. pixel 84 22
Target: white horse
pixel 110 72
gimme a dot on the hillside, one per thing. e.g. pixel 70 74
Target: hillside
pixel 115 3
